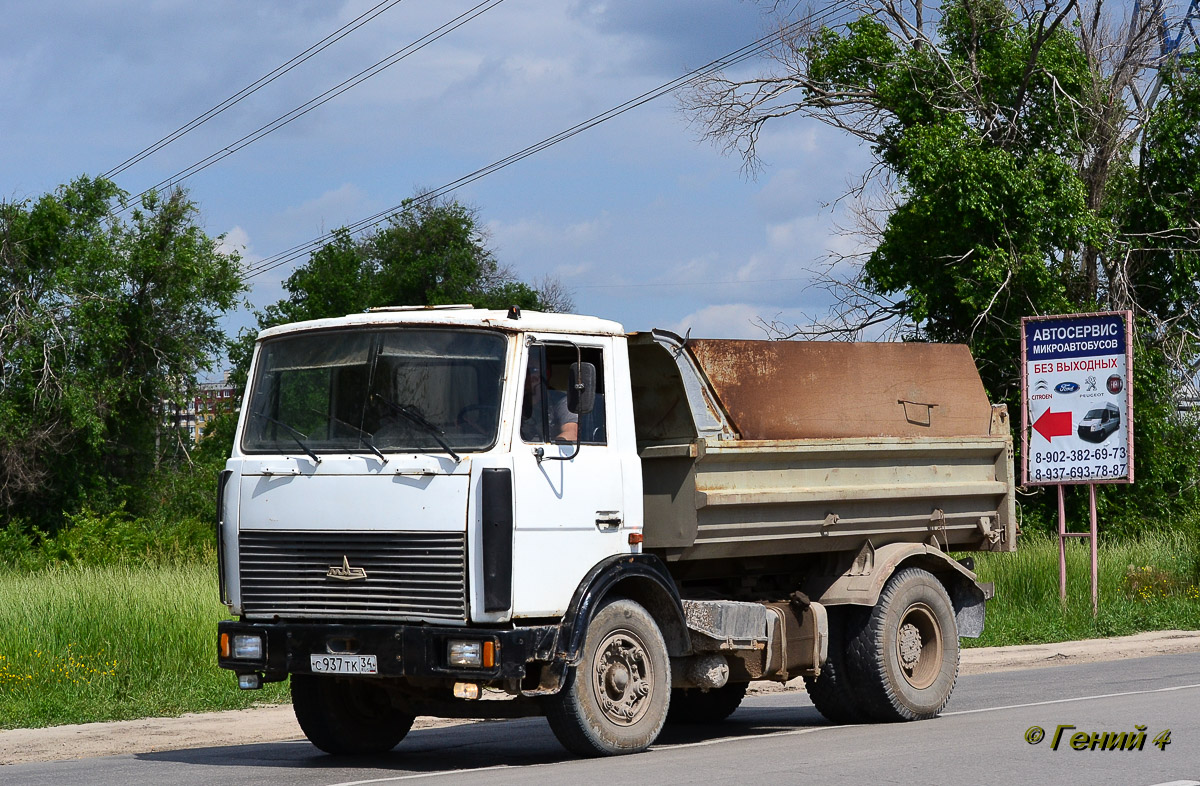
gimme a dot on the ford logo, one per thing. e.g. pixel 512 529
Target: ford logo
pixel 1066 387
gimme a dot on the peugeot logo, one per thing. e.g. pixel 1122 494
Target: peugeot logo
pixel 344 572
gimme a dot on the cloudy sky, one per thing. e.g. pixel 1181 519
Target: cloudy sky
pixel 642 222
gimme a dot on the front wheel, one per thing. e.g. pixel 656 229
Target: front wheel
pixel 905 658
pixel 347 715
pixel 615 700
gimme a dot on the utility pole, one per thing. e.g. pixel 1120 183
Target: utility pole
pixel 1185 34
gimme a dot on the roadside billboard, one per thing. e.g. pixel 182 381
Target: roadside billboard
pixel 1077 398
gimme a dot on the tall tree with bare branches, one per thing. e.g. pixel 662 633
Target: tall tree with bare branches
pixel 1027 160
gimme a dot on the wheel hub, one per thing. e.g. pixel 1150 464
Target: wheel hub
pixel 919 648
pixel 622 678
pixel 910 646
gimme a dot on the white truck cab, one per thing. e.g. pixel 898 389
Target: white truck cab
pixel 383 425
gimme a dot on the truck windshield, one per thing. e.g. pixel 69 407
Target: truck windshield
pixel 340 391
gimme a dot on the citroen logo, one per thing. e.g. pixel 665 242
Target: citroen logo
pixel 344 572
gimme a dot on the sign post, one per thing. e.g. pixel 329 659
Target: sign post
pixel 1077 411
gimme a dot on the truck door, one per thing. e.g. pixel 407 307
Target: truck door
pixel 567 498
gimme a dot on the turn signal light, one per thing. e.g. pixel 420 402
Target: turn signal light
pixel 635 538
pixel 223 646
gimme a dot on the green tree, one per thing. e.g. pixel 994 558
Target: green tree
pixel 1022 167
pixel 103 320
pixel 432 252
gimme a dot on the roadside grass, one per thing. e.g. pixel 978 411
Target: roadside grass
pixel 87 643
pixel 82 644
pixel 1148 583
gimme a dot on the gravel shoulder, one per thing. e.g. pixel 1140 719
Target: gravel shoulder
pixel 277 723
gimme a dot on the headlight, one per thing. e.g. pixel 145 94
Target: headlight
pixel 247 647
pixel 465 653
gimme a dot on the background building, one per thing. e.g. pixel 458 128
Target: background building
pixel 210 400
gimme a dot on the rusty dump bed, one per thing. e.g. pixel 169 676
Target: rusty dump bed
pixel 757 448
pixel 825 389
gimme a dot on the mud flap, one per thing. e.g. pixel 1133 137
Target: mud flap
pixel 970 604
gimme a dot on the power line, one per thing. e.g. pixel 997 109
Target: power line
pixel 688 283
pixel 323 98
pixel 733 58
pixel 254 86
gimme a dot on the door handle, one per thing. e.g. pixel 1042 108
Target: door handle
pixel 608 520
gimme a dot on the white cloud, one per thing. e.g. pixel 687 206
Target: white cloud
pixel 699 267
pixel 535 246
pixel 332 209
pixel 729 320
pixel 802 232
pixel 530 231
pixel 236 240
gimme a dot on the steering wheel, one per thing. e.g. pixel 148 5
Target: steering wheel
pixel 467 420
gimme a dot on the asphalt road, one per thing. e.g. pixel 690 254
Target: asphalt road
pixel 773 738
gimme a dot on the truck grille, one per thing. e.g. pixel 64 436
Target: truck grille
pixel 409 575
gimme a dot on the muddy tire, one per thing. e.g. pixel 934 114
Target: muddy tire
pixel 904 660
pixel 832 693
pixel 615 700
pixel 347 715
pixel 692 705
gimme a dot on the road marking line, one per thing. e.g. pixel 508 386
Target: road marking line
pixel 1066 701
pixel 722 740
pixel 415 775
pixel 785 733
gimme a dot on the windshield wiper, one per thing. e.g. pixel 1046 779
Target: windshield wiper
pixel 296 435
pixel 365 436
pixel 416 418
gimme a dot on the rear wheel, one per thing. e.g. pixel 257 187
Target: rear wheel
pixel 692 705
pixel 832 693
pixel 347 715
pixel 905 658
pixel 615 700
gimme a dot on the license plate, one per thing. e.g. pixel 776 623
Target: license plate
pixel 344 664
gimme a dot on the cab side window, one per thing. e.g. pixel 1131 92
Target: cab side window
pixel 546 411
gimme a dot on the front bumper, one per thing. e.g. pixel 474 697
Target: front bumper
pixel 401 650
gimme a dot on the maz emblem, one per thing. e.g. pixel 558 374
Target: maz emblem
pixel 345 572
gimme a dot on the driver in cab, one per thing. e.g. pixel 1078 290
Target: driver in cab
pixel 541 401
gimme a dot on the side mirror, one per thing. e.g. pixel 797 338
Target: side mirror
pixel 581 391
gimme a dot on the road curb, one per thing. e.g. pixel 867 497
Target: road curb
pixel 977 660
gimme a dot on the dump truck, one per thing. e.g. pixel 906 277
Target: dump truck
pixel 470 513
